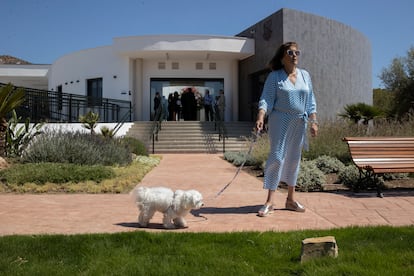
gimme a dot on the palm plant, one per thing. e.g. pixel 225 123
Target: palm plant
pixel 10 98
pixel 360 112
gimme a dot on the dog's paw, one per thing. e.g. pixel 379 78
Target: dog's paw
pixel 169 226
pixel 142 225
pixel 180 223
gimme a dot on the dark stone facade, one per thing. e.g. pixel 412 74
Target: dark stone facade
pixel 337 56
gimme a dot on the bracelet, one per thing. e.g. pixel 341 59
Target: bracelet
pixel 314 121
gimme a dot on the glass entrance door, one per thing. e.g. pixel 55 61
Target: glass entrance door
pixel 176 104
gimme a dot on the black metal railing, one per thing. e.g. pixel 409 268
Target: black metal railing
pixel 220 127
pixel 126 118
pixel 53 106
pixel 156 125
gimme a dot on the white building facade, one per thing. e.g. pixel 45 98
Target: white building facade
pixel 135 68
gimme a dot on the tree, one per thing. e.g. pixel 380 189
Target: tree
pixel 399 78
pixel 10 98
pixel 384 101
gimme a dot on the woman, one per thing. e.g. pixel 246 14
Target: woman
pixel 289 101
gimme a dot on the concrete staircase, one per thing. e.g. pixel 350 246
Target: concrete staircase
pixel 192 136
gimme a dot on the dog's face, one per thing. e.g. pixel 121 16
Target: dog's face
pixel 191 199
pixel 197 199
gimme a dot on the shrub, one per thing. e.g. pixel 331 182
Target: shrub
pixel 394 176
pixel 120 180
pixel 310 178
pixel 328 164
pixel 136 146
pixel 260 150
pixel 349 176
pixel 77 148
pixel 146 160
pixel 329 140
pixel 237 158
pixel 42 173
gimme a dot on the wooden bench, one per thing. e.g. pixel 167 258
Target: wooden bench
pixel 375 156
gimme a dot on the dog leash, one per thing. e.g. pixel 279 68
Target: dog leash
pixel 255 135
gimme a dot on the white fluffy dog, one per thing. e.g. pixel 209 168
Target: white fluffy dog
pixel 174 205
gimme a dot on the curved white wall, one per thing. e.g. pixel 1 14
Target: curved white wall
pixel 131 62
pixel 73 70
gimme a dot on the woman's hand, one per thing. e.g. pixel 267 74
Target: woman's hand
pixel 314 129
pixel 260 120
pixel 259 125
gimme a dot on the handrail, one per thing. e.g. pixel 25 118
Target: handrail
pixel 124 119
pixel 156 125
pixel 219 124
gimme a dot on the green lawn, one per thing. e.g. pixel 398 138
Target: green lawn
pixel 362 251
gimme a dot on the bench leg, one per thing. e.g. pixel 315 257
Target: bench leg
pixel 379 186
pixel 368 179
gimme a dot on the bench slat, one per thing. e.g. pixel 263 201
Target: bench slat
pixel 382 154
pixel 385 160
pixel 387 168
pixel 393 170
pixel 378 138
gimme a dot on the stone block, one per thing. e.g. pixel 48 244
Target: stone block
pixel 318 247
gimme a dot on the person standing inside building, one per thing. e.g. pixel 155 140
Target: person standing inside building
pixel 171 107
pixel 208 106
pixel 189 104
pixel 177 106
pixel 221 105
pixel 289 101
pixel 157 103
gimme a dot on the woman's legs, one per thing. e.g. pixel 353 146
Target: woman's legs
pixel 269 200
pixel 290 197
pixel 291 193
pixel 291 203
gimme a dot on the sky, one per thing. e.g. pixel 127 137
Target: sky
pixel 41 31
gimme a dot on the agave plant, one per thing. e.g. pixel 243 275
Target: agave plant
pixel 89 121
pixel 19 134
pixel 10 98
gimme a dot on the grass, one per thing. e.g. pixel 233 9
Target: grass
pixel 362 251
pixel 121 180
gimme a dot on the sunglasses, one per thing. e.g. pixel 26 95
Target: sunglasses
pixel 291 53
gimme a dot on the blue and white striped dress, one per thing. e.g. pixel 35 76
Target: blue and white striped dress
pixel 288 106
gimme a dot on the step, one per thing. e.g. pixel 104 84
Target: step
pixel 194 136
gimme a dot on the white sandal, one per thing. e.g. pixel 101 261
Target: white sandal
pixel 294 206
pixel 265 210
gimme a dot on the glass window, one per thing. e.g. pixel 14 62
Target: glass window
pixel 94 90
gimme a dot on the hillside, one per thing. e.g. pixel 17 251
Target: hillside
pixel 6 59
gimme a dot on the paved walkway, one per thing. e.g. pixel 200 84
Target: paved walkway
pixel 234 210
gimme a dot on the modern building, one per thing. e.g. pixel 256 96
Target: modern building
pixel 135 68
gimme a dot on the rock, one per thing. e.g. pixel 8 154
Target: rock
pixel 318 247
pixel 3 163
